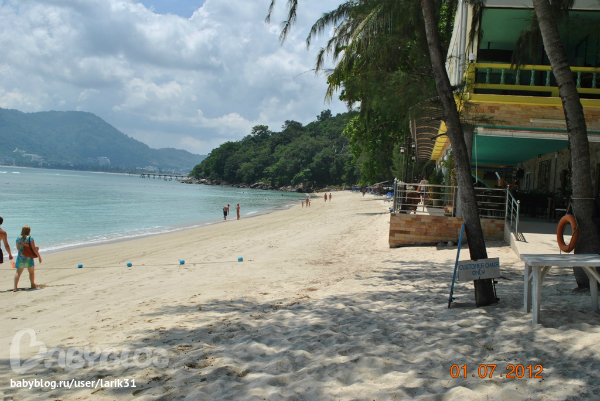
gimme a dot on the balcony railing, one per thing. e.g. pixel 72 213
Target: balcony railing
pixel 440 200
pixel 528 80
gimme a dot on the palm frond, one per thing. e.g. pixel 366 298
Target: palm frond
pixel 271 7
pixel 291 19
pixel 528 44
pixel 561 8
pixel 331 18
pixel 476 31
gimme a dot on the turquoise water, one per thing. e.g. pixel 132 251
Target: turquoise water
pixel 70 208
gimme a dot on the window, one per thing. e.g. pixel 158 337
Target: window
pixel 527 181
pixel 544 175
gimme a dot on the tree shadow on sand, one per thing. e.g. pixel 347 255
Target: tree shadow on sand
pixel 394 337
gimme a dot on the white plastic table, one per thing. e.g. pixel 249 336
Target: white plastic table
pixel 537 267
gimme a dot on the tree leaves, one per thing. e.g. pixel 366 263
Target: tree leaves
pixel 314 155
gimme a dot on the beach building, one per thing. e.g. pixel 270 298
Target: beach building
pixel 513 117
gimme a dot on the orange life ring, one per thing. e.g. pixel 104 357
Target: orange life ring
pixel 568 218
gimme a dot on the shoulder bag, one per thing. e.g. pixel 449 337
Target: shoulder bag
pixel 28 250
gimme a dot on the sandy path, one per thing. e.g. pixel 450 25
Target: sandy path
pixel 320 309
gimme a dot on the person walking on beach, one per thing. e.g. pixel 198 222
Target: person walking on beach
pixel 325 197
pixel 422 190
pixel 307 201
pixel 330 197
pixel 225 210
pixel 24 261
pixel 237 209
pixel 4 238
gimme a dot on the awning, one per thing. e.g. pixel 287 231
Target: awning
pixel 425 127
pixel 506 146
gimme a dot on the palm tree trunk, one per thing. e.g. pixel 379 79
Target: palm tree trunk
pixel 583 203
pixel 468 131
pixel 484 292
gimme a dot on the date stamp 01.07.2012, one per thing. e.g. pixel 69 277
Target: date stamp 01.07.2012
pixel 489 371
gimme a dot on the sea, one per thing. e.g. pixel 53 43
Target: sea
pixel 67 209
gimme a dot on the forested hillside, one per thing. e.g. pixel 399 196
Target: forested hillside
pixel 314 155
pixel 75 139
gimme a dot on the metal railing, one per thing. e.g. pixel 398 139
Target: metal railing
pixel 491 202
pixel 436 200
pixel 512 213
pixel 441 200
pixel 528 78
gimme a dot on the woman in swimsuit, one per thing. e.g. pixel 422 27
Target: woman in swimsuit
pixel 23 261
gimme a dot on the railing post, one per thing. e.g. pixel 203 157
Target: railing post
pixel 402 197
pixel 487 75
pixel 506 207
pixel 532 80
pixel 395 194
pixel 579 79
pixel 518 78
pixel 517 224
pixel 548 74
pixel 502 77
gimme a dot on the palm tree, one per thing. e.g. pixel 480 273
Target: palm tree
pixel 583 201
pixel 484 293
pixel 355 37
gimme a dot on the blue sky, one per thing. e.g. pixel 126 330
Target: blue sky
pixel 188 74
pixel 183 8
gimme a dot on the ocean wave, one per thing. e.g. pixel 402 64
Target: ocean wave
pixel 118 237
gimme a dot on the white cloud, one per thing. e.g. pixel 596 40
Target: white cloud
pixel 15 99
pixel 87 93
pixel 161 78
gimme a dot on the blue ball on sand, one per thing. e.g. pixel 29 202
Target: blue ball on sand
pixel 128 264
pixel 240 259
pixel 80 265
pixel 182 262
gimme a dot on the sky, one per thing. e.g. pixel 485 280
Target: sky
pixel 187 74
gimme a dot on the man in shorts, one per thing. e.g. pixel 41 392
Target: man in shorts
pixel 4 238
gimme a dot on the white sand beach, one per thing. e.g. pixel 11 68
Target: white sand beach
pixel 320 309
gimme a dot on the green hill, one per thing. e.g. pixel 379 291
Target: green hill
pixel 315 155
pixel 75 139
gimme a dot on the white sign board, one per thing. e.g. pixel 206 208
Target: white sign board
pixel 478 269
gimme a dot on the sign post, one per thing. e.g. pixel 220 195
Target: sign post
pixel 469 270
pixel 462 230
